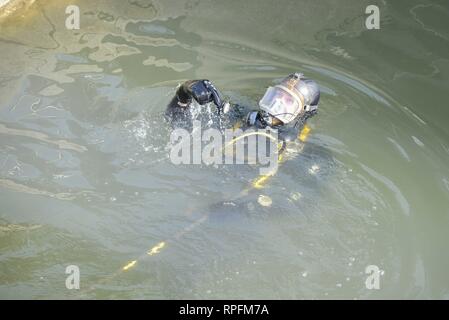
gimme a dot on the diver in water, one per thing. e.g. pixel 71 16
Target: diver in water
pixel 285 106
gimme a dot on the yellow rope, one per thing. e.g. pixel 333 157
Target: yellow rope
pixel 304 133
pixel 129 265
pixel 260 182
pixel 252 133
pixel 156 249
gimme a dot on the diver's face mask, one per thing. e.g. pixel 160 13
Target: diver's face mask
pixel 282 103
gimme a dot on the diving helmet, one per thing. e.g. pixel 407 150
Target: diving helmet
pixel 295 95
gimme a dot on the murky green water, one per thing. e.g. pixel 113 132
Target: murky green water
pixel 85 177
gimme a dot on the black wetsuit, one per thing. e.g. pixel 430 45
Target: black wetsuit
pixel 178 110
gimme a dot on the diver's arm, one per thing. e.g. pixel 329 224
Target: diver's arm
pixel 261 119
pixel 287 132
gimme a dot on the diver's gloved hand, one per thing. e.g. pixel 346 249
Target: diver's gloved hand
pixel 261 119
pixel 203 91
pixel 253 118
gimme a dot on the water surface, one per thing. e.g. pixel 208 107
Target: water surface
pixel 85 175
